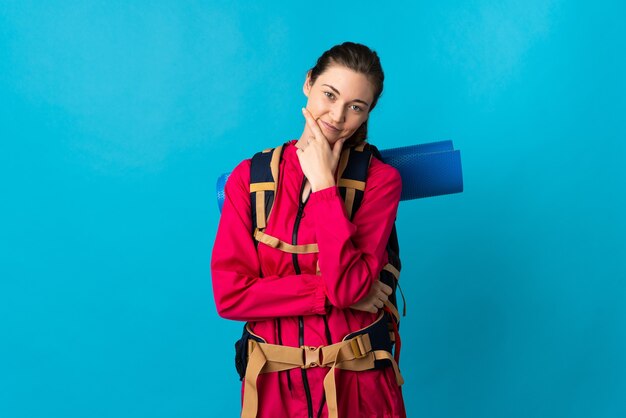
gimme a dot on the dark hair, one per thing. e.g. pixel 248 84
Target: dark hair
pixel 361 59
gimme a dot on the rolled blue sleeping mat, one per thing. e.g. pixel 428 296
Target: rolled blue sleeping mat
pixel 431 169
pixel 427 170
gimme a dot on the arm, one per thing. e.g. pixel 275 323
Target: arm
pixel 239 292
pixel 352 254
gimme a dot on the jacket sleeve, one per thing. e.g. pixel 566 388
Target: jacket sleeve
pixel 239 291
pixel 352 254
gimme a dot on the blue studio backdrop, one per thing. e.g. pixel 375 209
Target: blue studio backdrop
pixel 116 119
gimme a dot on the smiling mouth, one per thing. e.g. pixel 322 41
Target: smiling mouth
pixel 329 126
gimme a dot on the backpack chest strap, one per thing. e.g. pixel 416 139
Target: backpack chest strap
pixel 284 246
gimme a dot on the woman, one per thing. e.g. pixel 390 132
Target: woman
pixel 314 299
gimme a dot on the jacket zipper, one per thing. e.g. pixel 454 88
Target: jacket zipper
pixel 296 266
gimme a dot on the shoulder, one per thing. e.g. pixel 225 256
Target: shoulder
pixel 239 178
pixel 383 183
pixel 380 168
pixel 381 173
pixel 241 173
pixel 243 168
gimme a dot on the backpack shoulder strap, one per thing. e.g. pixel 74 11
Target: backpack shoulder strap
pixel 353 168
pixel 263 184
pixel 352 175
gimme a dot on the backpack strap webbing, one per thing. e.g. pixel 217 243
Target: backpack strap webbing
pixel 264 175
pixel 352 173
pixel 263 185
pixel 358 351
pixel 391 272
pixel 351 176
pixel 274 242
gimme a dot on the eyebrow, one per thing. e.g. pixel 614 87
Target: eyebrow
pixel 339 94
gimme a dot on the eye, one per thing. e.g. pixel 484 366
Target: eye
pixel 356 108
pixel 329 95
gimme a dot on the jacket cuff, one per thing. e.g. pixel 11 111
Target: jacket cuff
pixel 328 193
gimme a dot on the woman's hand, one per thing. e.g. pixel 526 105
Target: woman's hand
pixel 317 159
pixel 375 299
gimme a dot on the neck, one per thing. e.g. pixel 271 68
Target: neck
pixel 303 138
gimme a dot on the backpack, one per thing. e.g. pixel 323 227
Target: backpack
pixel 352 176
pixel 365 349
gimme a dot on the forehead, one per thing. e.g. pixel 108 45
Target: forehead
pixel 351 85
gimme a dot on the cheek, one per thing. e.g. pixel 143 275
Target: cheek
pixel 356 122
pixel 315 106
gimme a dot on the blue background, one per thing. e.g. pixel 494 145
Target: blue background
pixel 116 119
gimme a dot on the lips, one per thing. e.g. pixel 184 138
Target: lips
pixel 329 126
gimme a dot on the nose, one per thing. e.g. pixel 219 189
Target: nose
pixel 337 113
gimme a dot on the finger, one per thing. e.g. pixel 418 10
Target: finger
pixel 382 296
pixel 309 119
pixel 380 286
pixel 312 123
pixel 388 290
pixel 379 303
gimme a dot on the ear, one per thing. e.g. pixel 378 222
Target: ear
pixel 306 88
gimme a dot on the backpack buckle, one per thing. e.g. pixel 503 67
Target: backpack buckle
pixel 360 346
pixel 312 356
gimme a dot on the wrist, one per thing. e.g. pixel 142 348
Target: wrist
pixel 323 183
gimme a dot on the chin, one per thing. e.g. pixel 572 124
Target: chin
pixel 332 141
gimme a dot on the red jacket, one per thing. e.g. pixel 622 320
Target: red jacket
pixel 351 254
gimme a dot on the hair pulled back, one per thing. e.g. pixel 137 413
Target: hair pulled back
pixel 358 58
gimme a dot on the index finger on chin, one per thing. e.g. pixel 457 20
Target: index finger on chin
pixel 313 125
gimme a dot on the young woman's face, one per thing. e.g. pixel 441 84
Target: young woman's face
pixel 340 101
